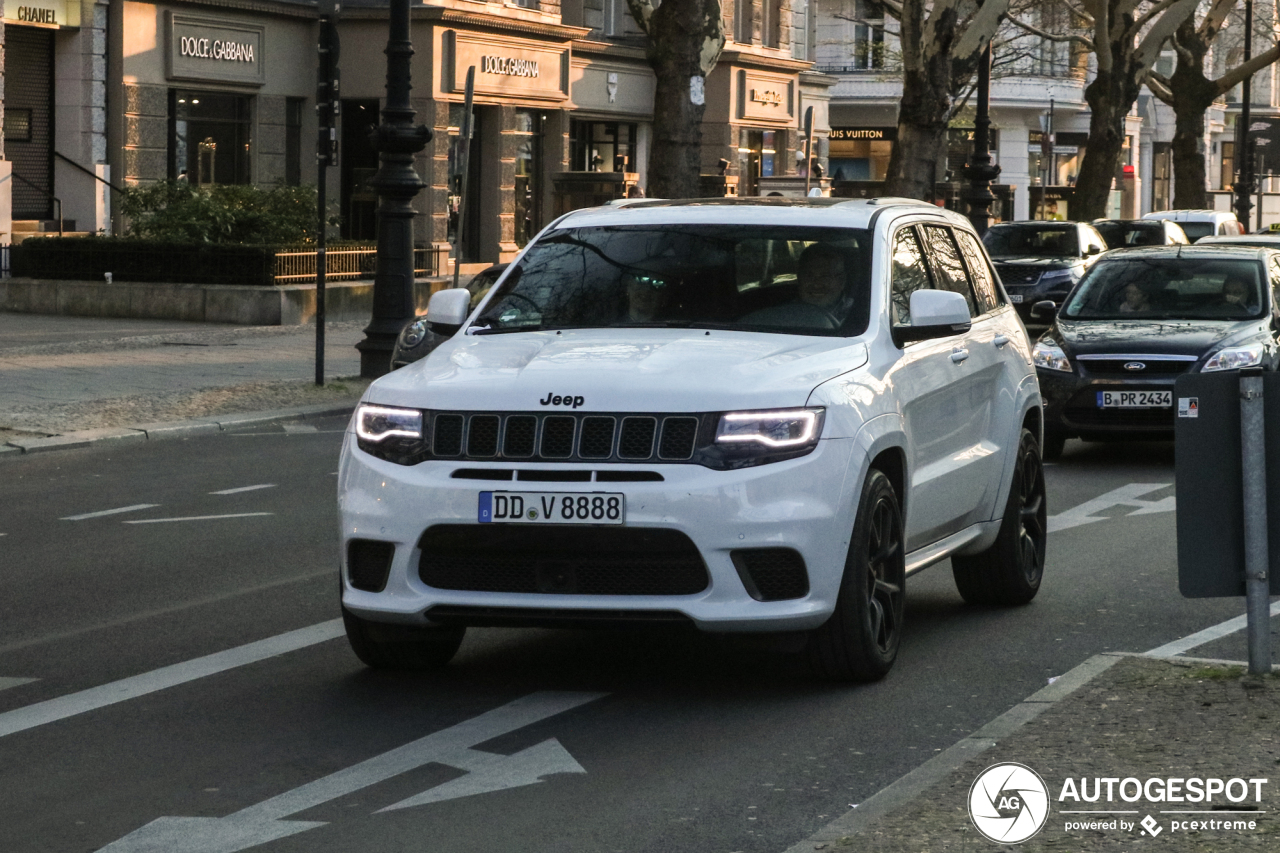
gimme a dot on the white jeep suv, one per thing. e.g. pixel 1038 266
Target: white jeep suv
pixel 750 415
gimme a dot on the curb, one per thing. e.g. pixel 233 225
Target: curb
pixel 20 447
pixel 935 769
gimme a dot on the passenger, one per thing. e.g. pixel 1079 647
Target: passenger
pixel 1136 300
pixel 1239 293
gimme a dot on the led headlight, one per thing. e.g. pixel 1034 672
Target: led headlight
pixel 786 429
pixel 1050 357
pixel 413 333
pixel 1234 358
pixel 378 423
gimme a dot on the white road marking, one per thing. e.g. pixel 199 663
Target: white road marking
pixel 264 822
pixel 6 683
pixel 1208 635
pixel 1130 495
pixel 245 489
pixel 21 719
pixel 299 428
pixel 198 517
pixel 101 513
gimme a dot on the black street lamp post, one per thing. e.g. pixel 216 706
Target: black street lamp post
pixel 981 171
pixel 397 139
pixel 1244 149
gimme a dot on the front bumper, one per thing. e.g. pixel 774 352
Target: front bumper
pixel 1071 407
pixel 805 504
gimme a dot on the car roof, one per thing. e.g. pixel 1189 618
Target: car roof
pixel 817 212
pixel 1260 240
pixel 1198 251
pixel 1191 215
pixel 1039 223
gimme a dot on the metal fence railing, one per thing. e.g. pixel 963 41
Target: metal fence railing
pixel 351 262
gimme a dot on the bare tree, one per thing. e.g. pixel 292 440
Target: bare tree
pixel 1191 92
pixel 685 38
pixel 1126 36
pixel 941 42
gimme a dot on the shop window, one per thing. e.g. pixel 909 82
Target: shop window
pixel 210 139
pixel 756 158
pixel 528 189
pixel 470 248
pixel 357 164
pixel 602 146
pixel 293 141
pixel 1228 174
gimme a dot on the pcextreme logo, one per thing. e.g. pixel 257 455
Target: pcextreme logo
pixel 1009 803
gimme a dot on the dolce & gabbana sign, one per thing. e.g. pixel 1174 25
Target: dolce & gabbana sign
pixel 506 67
pixel 208 50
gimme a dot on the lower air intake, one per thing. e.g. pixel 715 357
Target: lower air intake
pixel 771 574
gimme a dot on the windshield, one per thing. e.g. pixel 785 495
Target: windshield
pixel 1168 288
pixel 795 280
pixel 1118 235
pixel 1032 240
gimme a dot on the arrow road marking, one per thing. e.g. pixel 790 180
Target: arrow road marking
pixel 1130 495
pixel 265 822
pixel 101 513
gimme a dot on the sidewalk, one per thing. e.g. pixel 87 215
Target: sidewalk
pixel 1119 717
pixel 60 375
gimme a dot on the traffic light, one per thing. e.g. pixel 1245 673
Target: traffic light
pixel 328 85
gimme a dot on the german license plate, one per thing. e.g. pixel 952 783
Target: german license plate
pixel 552 508
pixel 1015 298
pixel 1135 399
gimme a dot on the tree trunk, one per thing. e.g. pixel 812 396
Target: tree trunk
pixel 685 39
pixel 1193 94
pixel 1108 106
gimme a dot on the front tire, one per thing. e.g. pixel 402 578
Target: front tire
pixel 401 647
pixel 860 640
pixel 1009 572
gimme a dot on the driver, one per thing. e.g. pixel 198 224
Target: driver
pixel 820 283
pixel 1238 292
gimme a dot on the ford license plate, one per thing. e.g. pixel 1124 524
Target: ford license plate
pixel 1135 399
pixel 552 508
pixel 1015 298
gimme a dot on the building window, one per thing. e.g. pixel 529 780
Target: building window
pixel 17 125
pixel 868 35
pixel 1228 176
pixel 293 141
pixel 800 29
pixel 771 26
pixel 527 4
pixel 209 139
pixel 602 146
pixel 742 21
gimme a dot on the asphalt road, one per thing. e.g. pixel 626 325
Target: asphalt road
pixel 662 741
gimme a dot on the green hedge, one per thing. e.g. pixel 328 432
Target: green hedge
pixel 90 258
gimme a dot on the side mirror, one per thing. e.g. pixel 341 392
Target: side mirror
pixel 934 314
pixel 1045 310
pixel 1092 250
pixel 447 310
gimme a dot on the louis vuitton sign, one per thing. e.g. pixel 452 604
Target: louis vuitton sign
pixel 505 66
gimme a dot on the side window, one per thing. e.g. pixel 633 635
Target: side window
pixel 948 269
pixel 984 283
pixel 909 274
pixel 1275 284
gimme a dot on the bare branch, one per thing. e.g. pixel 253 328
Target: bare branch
pixel 982 27
pixel 1176 11
pixel 642 11
pixel 1047 36
pixel 1160 87
pixel 1235 76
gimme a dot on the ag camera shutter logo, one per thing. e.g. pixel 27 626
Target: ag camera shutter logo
pixel 1008 803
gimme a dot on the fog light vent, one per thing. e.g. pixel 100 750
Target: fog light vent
pixel 369 563
pixel 771 574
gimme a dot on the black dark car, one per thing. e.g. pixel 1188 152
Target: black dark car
pixel 1138 319
pixel 417 339
pixel 1041 260
pixel 1132 233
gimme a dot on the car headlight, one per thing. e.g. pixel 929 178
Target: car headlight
pixel 1050 357
pixel 391 433
pixel 413 333
pixel 744 439
pixel 1234 358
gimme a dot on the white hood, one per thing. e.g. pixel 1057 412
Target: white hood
pixel 620 370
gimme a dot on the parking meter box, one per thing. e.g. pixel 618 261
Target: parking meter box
pixel 1210 513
